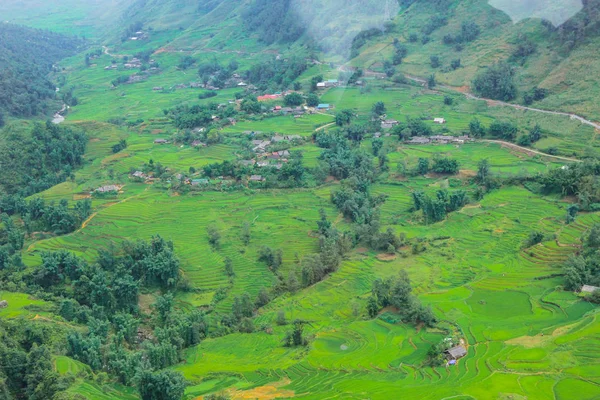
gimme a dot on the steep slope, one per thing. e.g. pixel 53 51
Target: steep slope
pixel 562 59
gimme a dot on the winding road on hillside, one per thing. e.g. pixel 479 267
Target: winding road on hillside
pixel 491 102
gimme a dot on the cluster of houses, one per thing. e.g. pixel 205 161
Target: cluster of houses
pixel 328 84
pixel 439 139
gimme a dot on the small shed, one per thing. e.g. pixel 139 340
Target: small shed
pixel 589 289
pixel 456 352
pixel 439 120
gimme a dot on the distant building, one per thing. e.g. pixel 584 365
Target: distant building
pixel 108 189
pixel 161 141
pixel 323 107
pixel 589 289
pixel 197 143
pixel 456 352
pixel 257 178
pixel 439 120
pixel 242 84
pixel 321 85
pixel 198 182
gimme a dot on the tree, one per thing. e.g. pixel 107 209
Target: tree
pixel 162 385
pixel 535 133
pixel 476 129
pixel 483 172
pixel 506 130
pixel 448 100
pixel 344 117
pixel 435 61
pixel 293 100
pixel 229 267
pixel 469 31
pixel 378 109
pixel 2 120
pixel 496 82
pixel 431 81
pixel 312 100
pixel 246 233
pixel 455 64
pixel 376 145
pixel 423 166
pixel 214 236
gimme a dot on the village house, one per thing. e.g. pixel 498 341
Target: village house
pixel 260 145
pixel 257 178
pixel 388 123
pixel 323 107
pixel 439 120
pixel 247 163
pixel 589 289
pixel 139 175
pixel 456 352
pixel 262 164
pixel 198 182
pixel 108 189
pixel 321 85
pixel 161 141
pixel 242 84
pixel 197 143
pixel 419 140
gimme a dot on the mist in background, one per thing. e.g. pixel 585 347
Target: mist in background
pixel 333 24
pixel 556 11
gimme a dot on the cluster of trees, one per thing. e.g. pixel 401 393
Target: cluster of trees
pixel 496 82
pixel 400 52
pixel 26 362
pixel 580 180
pixel 276 73
pixel 273 21
pixel 469 31
pixel 412 127
pixel 26 57
pixel 212 72
pixel 525 48
pixel 584 268
pixel 34 161
pixel 341 160
pixel 436 208
pixel 397 292
pixel 441 165
pixel 190 117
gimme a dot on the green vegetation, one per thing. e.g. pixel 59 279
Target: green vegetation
pixel 252 200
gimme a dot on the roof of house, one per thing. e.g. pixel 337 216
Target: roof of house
pixel 256 178
pixel 457 352
pixel 589 288
pixel 323 106
pixel 199 182
pixel 161 141
pixel 108 188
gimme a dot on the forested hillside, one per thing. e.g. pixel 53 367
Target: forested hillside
pixel 308 199
pixel 26 58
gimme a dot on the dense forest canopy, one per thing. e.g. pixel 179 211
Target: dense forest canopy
pixel 34 162
pixel 26 57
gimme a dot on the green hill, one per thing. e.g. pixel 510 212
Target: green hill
pixel 266 199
